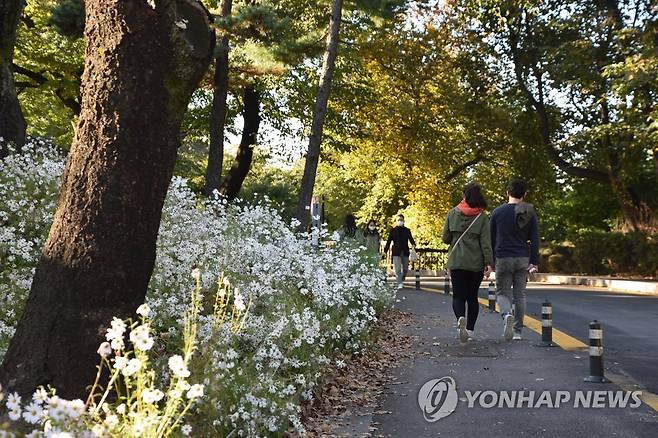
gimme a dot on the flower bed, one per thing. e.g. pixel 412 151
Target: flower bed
pixel 302 304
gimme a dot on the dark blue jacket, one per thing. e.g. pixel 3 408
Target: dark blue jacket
pixel 515 232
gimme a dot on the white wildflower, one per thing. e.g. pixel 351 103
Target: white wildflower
pixel 195 391
pixel 120 362
pixel 178 367
pixel 33 413
pixel 144 310
pixel 132 367
pixel 152 396
pixel 112 420
pixel 14 401
pixel 141 338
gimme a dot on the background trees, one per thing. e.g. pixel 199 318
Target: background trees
pixel 583 69
pixel 425 96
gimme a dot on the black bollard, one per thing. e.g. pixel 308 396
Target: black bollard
pixel 416 268
pixel 492 296
pixel 446 283
pixel 546 324
pixel 596 354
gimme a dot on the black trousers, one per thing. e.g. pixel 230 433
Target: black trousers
pixel 465 286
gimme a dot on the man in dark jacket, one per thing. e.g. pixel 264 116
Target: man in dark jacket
pixel 515 240
pixel 400 236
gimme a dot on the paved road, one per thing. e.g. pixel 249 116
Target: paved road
pixel 630 324
pixel 494 366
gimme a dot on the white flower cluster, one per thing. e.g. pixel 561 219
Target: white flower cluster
pixel 29 183
pixel 52 416
pixel 138 407
pixel 304 303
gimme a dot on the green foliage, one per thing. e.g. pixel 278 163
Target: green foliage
pixel 49 89
pixel 603 253
pixel 278 184
pixel 593 66
pixel 68 17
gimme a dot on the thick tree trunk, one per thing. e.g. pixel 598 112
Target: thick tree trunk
pixel 319 112
pixel 12 122
pixel 629 206
pixel 219 109
pixel 232 184
pixel 140 71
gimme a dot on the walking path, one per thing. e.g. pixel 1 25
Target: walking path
pixel 492 364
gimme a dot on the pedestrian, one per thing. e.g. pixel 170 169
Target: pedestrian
pixel 349 229
pixel 470 256
pixel 372 237
pixel 400 236
pixel 515 239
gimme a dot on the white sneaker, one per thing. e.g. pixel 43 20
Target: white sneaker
pixel 471 335
pixel 517 336
pixel 400 286
pixel 509 323
pixel 461 325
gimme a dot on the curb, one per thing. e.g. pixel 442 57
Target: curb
pixel 611 284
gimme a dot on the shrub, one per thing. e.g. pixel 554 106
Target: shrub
pixel 597 252
pixel 305 304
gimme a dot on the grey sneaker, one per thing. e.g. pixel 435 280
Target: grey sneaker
pixel 461 325
pixel 517 336
pixel 509 326
pixel 400 286
pixel 471 335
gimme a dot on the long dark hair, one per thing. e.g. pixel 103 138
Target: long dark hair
pixel 349 225
pixel 367 229
pixel 473 196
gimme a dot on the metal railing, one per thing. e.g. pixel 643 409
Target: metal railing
pixel 429 259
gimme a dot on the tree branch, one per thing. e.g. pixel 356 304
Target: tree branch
pixel 542 117
pixel 39 78
pixel 462 167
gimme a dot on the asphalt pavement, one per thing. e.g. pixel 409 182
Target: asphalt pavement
pixel 630 326
pixel 491 364
pixel 629 321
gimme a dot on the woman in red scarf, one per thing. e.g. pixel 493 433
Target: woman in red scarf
pixel 470 257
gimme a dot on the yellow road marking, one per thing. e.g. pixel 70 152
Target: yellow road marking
pixel 569 343
pixel 562 339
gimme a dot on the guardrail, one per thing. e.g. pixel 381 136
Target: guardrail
pixel 429 259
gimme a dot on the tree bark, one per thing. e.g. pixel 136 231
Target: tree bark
pixel 219 109
pixel 12 122
pixel 140 71
pixel 319 112
pixel 232 184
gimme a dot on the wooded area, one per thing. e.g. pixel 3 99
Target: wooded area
pixel 380 106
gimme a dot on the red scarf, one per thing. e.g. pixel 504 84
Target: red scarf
pixel 468 210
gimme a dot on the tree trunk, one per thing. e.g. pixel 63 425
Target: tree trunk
pixel 219 109
pixel 140 71
pixel 319 112
pixel 629 206
pixel 232 184
pixel 12 122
